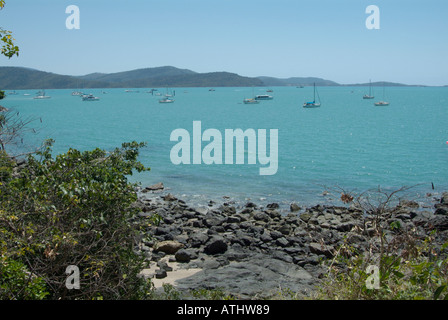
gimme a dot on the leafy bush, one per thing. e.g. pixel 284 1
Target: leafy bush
pixel 398 264
pixel 74 209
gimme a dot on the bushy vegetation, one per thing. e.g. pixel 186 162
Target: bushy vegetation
pixel 75 209
pixel 399 264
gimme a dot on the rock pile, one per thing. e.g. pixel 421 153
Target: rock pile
pixel 254 251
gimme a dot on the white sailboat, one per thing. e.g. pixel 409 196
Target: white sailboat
pixel 168 97
pixel 251 100
pixel 41 95
pixel 369 96
pixel 313 104
pixel 89 97
pixel 382 102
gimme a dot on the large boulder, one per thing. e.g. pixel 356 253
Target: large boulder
pixel 168 247
pixel 216 245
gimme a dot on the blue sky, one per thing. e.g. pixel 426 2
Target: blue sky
pixel 281 38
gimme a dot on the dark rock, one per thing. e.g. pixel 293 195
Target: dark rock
pixel 345 226
pixel 198 224
pixel 439 222
pixel 444 198
pixel 274 214
pixel 157 186
pixel 273 206
pixel 261 216
pixel 168 220
pixel 215 245
pixel 266 236
pixel 280 255
pixel 156 256
pixel 160 274
pixel 218 229
pixel 282 242
pixel 233 219
pixel 185 255
pixel 161 231
pixel 306 216
pixel 231 227
pixel 276 234
pixel 164 266
pixel 189 214
pixel 285 229
pixel 408 204
pixel 198 240
pixel 228 210
pixel 306 260
pixel 441 211
pixel 258 275
pixel 251 205
pixel 406 216
pixel 293 207
pixel 202 211
pixel 320 249
pixel 213 220
pixel 169 197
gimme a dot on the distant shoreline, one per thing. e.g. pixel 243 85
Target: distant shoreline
pixel 21 78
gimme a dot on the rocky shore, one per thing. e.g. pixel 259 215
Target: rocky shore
pixel 250 251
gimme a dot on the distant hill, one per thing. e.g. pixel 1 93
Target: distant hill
pixel 381 84
pixel 296 81
pixel 139 74
pixel 16 78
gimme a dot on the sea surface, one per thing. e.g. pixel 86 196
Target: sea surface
pixel 346 145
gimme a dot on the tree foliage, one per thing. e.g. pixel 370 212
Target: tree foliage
pixel 72 209
pixel 9 49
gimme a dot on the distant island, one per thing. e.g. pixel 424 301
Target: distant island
pixel 20 78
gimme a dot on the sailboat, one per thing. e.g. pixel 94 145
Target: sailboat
pixel 382 102
pixel 41 95
pixel 251 100
pixel 312 104
pixel 369 96
pixel 168 98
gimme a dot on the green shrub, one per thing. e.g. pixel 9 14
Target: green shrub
pixel 75 209
pixel 17 283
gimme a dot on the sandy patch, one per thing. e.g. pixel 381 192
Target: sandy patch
pixel 172 276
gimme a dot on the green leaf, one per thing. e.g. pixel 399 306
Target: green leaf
pixel 439 291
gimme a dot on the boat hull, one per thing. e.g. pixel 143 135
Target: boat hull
pixel 311 105
pixel 264 98
pixel 250 101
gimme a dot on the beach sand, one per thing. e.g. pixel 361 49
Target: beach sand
pixel 172 276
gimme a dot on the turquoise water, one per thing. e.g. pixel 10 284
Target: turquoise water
pixel 347 143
